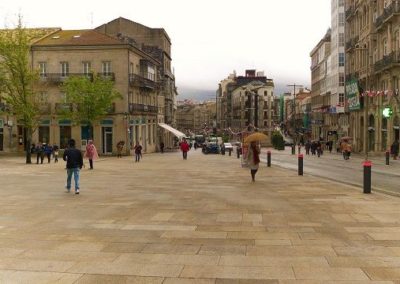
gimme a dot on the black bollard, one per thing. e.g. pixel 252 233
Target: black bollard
pixel 300 158
pixel 387 157
pixel 367 176
pixel 238 152
pixel 269 158
pixel 230 151
pixel 293 149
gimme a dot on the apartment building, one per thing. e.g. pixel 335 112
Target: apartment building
pixel 373 72
pixel 246 100
pixel 194 118
pixel 320 89
pixel 138 70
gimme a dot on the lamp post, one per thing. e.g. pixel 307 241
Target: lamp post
pixel 294 110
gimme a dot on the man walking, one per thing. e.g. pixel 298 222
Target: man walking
pixel 74 164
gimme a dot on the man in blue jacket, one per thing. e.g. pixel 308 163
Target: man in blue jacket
pixel 74 163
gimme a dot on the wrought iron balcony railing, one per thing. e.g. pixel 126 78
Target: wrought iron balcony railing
pixel 142 80
pixel 142 108
pixel 387 62
pixel 62 107
pixel 57 78
pixel 388 13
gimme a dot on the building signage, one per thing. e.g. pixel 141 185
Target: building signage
pixel 352 95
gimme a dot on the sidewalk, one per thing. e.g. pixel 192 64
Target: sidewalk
pixel 165 220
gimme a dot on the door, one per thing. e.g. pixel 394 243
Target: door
pixel 44 134
pixel 107 140
pixel 1 139
pixel 65 136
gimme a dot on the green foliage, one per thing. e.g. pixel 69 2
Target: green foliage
pixel 17 79
pixel 91 96
pixel 277 141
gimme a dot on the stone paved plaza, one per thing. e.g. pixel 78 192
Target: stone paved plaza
pixel 165 220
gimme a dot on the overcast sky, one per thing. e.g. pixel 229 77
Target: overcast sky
pixel 210 38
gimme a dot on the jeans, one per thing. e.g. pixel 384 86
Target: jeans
pixel 74 171
pixel 137 157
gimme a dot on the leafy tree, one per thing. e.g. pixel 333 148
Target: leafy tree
pixel 92 97
pixel 17 79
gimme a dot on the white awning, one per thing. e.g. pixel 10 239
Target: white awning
pixel 174 131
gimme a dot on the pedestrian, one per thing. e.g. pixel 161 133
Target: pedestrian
pixel 33 148
pixel 184 148
pixel 319 149
pixel 394 149
pixel 55 153
pixel 48 150
pixel 138 152
pixel 91 153
pixel 74 160
pixel 330 146
pixel 40 152
pixel 308 146
pixel 120 147
pixel 162 147
pixel 253 159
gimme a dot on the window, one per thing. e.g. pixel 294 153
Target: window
pixel 341 99
pixel 106 68
pixel 341 79
pixel 341 39
pixel 42 69
pixel 43 97
pixel 63 98
pixel 64 69
pixel 131 68
pixel 86 67
pixel 385 48
pixel 341 19
pixel 341 59
pixel 341 3
pixel 65 135
pixel 44 134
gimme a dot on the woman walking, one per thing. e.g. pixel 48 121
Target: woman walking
pixel 91 153
pixel 253 159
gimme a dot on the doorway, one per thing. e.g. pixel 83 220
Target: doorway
pixel 107 138
pixel 1 139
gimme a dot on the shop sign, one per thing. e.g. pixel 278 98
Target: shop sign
pixel 352 95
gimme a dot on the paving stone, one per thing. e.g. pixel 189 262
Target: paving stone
pixel 182 228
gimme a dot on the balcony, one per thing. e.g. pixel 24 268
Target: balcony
pixel 60 107
pixel 57 78
pixel 350 44
pixel 45 108
pixel 144 80
pixel 349 12
pixel 141 108
pixel 387 62
pixel 388 14
pixel 109 75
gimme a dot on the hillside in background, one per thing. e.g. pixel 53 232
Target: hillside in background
pixel 209 95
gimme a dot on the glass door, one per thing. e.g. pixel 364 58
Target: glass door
pixel 107 140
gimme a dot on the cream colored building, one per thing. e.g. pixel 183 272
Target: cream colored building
pixel 141 74
pixel 195 118
pixel 373 62
pixel 246 100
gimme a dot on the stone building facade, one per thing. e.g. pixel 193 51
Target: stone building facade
pixel 373 66
pixel 246 100
pixel 139 72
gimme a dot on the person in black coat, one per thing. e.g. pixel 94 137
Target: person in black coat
pixel 74 164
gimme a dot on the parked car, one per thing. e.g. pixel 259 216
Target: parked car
pixel 212 148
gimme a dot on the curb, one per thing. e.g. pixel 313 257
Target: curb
pixel 377 189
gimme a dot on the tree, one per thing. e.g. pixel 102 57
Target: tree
pixel 17 79
pixel 91 96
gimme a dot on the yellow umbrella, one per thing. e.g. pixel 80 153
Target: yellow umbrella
pixel 258 136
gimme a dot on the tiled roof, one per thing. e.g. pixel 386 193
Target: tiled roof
pixel 77 37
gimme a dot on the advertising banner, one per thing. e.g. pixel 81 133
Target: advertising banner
pixel 352 95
